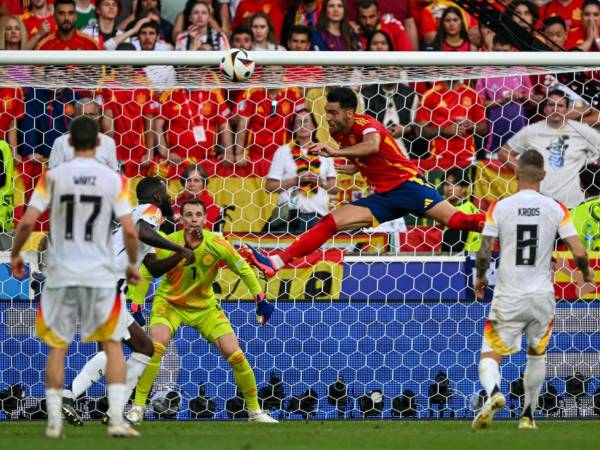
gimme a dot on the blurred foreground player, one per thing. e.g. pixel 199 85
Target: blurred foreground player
pixel 153 204
pixel 83 195
pixel 525 225
pixel 186 297
pixel 399 187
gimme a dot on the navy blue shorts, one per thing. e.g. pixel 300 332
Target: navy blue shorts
pixel 414 196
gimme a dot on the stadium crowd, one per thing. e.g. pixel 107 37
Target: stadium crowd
pixel 467 131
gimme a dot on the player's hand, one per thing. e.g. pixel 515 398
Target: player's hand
pixel 17 266
pixel 396 130
pixel 321 150
pixel 44 29
pixel 308 177
pixel 588 277
pixel 480 285
pixel 136 313
pixel 133 276
pixel 188 255
pixel 346 169
pixel 264 309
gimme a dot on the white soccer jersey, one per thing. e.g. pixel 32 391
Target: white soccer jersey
pixel 526 225
pixel 62 151
pixel 148 213
pixel 82 195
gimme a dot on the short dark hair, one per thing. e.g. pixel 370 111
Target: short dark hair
pixel 125 46
pixel 532 7
pixel 65 2
pixel 191 201
pixel 590 2
pixel 589 179
pixel 530 166
pixel 152 24
pixel 242 29
pixel 299 29
pixel 147 187
pixel 371 35
pixel 461 177
pixel 555 20
pixel 366 4
pixel 84 133
pixel 557 93
pixel 344 96
pixel 194 168
pixel 502 39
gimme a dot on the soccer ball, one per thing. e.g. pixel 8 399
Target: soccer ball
pixel 237 65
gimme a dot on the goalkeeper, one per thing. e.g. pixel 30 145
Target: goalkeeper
pixel 185 297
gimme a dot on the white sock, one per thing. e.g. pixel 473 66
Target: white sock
pixel 533 380
pixel 53 406
pixel 489 375
pixel 277 261
pixel 136 364
pixel 90 373
pixel 116 401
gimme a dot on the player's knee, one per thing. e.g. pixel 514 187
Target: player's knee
pixel 533 352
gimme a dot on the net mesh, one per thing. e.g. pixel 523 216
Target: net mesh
pixel 386 310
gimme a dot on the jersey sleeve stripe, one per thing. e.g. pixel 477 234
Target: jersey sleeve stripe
pixel 489 217
pixel 369 131
pixel 41 188
pixel 567 215
pixel 124 192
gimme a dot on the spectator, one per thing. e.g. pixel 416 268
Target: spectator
pixel 524 13
pixel 587 36
pixel 275 9
pixel 568 10
pixel 7 195
pixel 567 145
pixel 62 149
pixel 452 34
pixel 11 7
pixel 586 216
pixel 242 38
pixel 430 18
pixel 303 181
pixel 144 8
pixel 39 18
pixel 265 116
pixel 301 12
pixel 105 30
pixel 12 109
pixel 263 33
pixel 86 14
pixel 48 113
pixel 369 19
pixel 299 38
pixel 67 37
pixel 333 31
pixel 180 26
pixel 450 114
pixel 456 191
pixel 196 20
pixel 504 99
pixel 555 29
pixel 391 104
pixel 486 42
pixel 194 182
pixel 127 115
pixel 148 40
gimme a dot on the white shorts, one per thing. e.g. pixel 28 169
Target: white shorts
pixel 101 314
pixel 511 318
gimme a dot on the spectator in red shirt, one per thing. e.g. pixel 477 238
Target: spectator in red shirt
pixel 67 37
pixel 11 7
pixel 569 10
pixel 333 32
pixel 194 181
pixel 587 36
pixel 13 34
pixel 450 114
pixel 39 18
pixel 273 8
pixel 452 34
pixel 555 29
pixel 430 18
pixel 369 19
pixel 263 128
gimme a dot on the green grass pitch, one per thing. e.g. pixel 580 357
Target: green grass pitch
pixel 313 435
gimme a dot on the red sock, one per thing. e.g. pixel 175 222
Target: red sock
pixel 468 222
pixel 310 240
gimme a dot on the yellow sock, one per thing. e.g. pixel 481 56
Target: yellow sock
pixel 244 378
pixel 142 390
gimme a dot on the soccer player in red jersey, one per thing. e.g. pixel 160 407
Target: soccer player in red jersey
pixel 398 185
pixel 67 37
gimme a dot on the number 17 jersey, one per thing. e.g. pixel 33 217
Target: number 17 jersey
pixel 82 195
pixel 526 225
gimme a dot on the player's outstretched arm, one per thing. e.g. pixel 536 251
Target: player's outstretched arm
pixel 148 236
pixel 24 230
pixel 482 263
pixel 580 257
pixel 158 267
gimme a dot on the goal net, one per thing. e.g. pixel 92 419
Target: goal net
pixel 381 322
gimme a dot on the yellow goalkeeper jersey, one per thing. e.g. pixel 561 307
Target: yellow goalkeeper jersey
pixel 191 286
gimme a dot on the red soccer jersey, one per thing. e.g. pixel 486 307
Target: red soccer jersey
pixel 33 23
pixel 273 8
pixel 268 122
pixel 442 106
pixel 387 168
pixel 212 209
pixel 128 108
pixel 570 12
pixel 431 14
pixel 396 32
pixel 12 107
pixel 79 41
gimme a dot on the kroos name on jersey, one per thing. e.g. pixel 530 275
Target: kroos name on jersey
pixel 529 212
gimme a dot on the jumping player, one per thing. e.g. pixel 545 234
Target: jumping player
pixel 399 187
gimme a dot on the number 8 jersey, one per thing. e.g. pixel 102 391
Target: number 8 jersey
pixel 83 196
pixel 526 225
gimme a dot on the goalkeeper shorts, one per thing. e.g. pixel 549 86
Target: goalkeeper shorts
pixel 101 313
pixel 212 323
pixel 511 318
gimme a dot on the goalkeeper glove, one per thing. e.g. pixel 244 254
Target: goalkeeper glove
pixel 263 308
pixel 136 313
